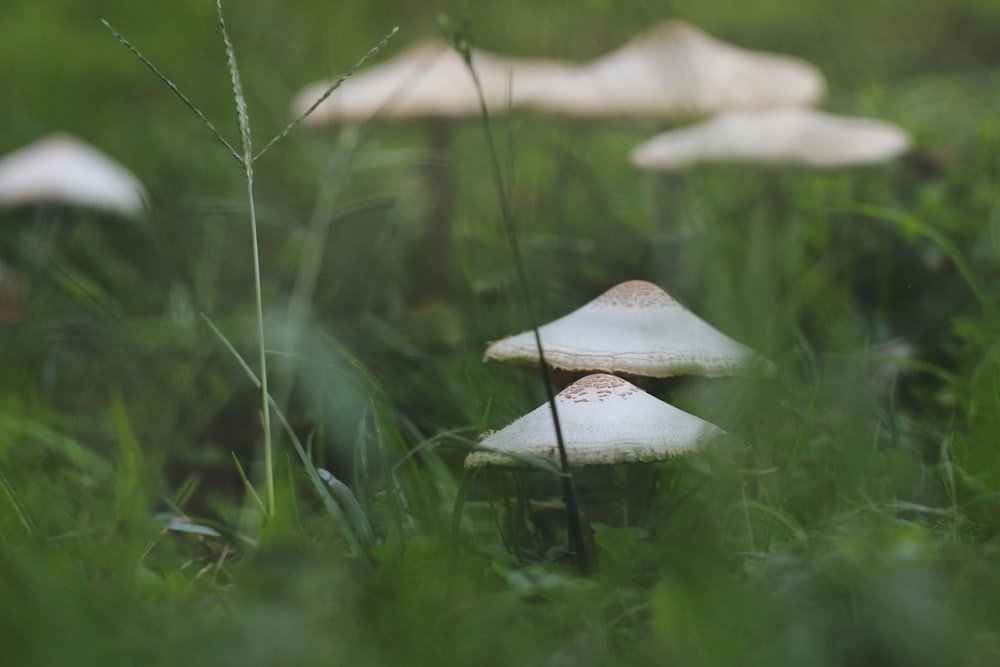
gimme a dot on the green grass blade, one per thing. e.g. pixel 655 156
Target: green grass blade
pixel 248 486
pixel 311 469
pixel 329 91
pixel 917 227
pixel 170 84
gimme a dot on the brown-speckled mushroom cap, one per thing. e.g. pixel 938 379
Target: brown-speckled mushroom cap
pixel 778 136
pixel 635 328
pixel 674 71
pixel 427 80
pixel 605 420
pixel 64 170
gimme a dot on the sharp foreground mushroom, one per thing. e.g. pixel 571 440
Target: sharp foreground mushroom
pixel 605 420
pixel 777 136
pixel 634 328
pixel 672 72
pixel 64 170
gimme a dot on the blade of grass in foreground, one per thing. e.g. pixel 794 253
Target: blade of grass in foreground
pixel 573 524
pixel 314 475
pixel 246 159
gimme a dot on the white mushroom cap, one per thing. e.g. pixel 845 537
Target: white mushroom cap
pixel 429 79
pixel 675 71
pixel 65 170
pixel 634 328
pixel 778 136
pixel 604 420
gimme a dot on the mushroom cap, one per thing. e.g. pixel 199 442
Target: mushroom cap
pixel 776 136
pixel 604 420
pixel 675 71
pixel 634 328
pixel 427 80
pixel 63 169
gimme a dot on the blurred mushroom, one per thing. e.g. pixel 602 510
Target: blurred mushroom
pixel 672 72
pixel 429 80
pixel 777 136
pixel 64 170
pixel 634 328
pixel 605 420
pixel 428 83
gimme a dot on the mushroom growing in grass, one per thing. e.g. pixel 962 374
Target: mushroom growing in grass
pixel 778 136
pixel 63 170
pixel 428 84
pixel 60 175
pixel 635 328
pixel 605 420
pixel 672 72
pixel 794 137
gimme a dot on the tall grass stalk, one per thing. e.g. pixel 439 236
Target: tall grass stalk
pixel 573 524
pixel 246 158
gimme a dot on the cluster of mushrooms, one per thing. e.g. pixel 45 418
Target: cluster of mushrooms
pixel 756 107
pixel 751 107
pixel 636 329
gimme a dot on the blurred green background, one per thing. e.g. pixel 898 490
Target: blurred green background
pixel 853 519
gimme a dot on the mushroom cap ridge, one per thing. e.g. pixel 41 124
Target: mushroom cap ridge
pixel 604 420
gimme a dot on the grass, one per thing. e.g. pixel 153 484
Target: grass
pixel 852 520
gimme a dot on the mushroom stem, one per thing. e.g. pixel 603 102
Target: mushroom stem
pixel 434 259
pixel 670 234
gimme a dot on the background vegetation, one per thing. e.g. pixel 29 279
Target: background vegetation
pixel 853 519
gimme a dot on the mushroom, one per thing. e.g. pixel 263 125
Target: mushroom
pixel 777 136
pixel 431 84
pixel 64 170
pixel 675 71
pixel 427 80
pixel 605 420
pixel 635 328
pixel 799 137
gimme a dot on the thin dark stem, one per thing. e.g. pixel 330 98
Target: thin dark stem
pixel 574 527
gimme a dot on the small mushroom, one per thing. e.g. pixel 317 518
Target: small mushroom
pixel 605 420
pixel 635 328
pixel 776 136
pixel 675 71
pixel 64 170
